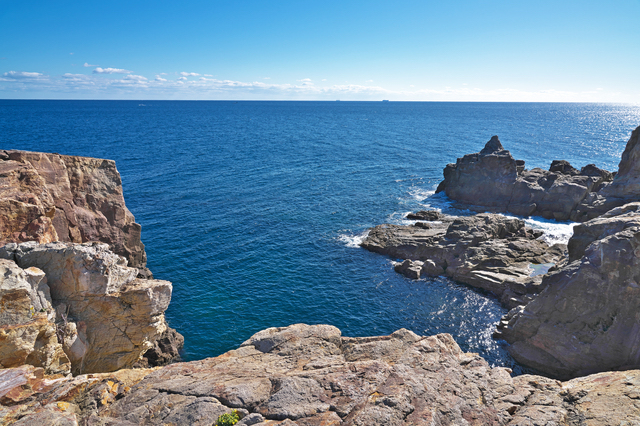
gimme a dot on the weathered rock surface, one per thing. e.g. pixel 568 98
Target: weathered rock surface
pixel 312 376
pixel 487 251
pixel 51 197
pixel 586 318
pixel 492 180
pixel 27 321
pixel 106 318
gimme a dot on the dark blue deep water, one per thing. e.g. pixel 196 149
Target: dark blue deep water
pixel 253 209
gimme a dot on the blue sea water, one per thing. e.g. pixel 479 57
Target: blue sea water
pixel 254 209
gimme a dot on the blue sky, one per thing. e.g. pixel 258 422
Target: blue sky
pixel 322 50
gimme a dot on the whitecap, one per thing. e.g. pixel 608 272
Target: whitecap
pixel 353 241
pixel 554 232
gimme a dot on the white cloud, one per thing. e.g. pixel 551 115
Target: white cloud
pixel 369 81
pixel 266 78
pixel 131 86
pixel 110 71
pixel 324 79
pixel 305 80
pixel 135 77
pixel 87 65
pixel 189 74
pixel 22 75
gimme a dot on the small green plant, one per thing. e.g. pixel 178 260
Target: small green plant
pixel 228 419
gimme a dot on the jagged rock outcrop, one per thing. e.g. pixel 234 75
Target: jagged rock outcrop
pixel 27 321
pixel 624 188
pixel 492 180
pixel 106 318
pixel 51 197
pixel 488 251
pixel 586 318
pixel 313 376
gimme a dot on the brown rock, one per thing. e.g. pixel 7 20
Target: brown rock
pixel 50 197
pixel 27 326
pixel 312 376
pixel 106 317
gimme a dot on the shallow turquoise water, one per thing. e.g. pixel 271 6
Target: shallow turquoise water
pixel 253 209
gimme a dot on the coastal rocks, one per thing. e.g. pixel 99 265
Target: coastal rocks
pixel 27 327
pixel 29 397
pixel 624 188
pixel 586 319
pixel 51 197
pixel 488 251
pixel 106 318
pixel 492 180
pixel 312 376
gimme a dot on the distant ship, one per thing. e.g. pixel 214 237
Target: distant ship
pixel 385 100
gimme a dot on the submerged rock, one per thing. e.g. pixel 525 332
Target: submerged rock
pixel 488 251
pixel 51 197
pixel 311 375
pixel 105 317
pixel 586 319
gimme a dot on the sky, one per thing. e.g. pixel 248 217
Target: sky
pixel 524 51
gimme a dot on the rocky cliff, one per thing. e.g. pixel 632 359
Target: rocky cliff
pixel 51 197
pixel 77 307
pixel 492 180
pixel 586 320
pixel 75 292
pixel 313 376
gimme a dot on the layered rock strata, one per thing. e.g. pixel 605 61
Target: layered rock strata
pixel 488 251
pixel 311 376
pixel 492 180
pixel 51 197
pixel 79 300
pixel 586 318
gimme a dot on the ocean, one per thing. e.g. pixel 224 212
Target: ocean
pixel 254 210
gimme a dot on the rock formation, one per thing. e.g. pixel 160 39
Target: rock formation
pixel 586 318
pixel 105 317
pixel 487 251
pixel 311 376
pixel 492 180
pixel 27 321
pixel 51 197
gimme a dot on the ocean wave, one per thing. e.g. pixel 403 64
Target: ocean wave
pixel 353 241
pixel 554 232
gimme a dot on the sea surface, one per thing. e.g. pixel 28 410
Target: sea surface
pixel 254 210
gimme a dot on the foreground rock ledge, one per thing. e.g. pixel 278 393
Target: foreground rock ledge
pixel 311 376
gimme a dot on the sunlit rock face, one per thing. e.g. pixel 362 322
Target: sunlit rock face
pixel 27 321
pixel 311 375
pixel 106 318
pixel 50 197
